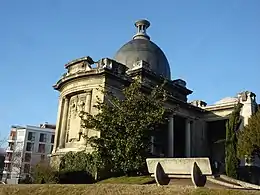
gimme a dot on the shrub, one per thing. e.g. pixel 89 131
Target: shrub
pixel 249 138
pixel 44 173
pixel 232 125
pixel 26 180
pixel 77 167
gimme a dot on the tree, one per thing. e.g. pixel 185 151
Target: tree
pixel 249 138
pixel 2 157
pixel 125 127
pixel 44 173
pixel 3 141
pixel 232 127
pixel 17 159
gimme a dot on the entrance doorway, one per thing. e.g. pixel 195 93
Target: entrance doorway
pixel 216 140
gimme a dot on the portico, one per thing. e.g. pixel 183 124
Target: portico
pixel 185 137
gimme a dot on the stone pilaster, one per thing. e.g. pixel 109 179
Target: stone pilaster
pixel 58 125
pixel 88 101
pixel 64 123
pixel 188 138
pixel 171 136
pixel 88 110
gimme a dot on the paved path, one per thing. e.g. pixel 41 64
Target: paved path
pixel 188 183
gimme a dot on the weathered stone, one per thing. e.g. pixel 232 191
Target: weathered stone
pixel 198 179
pixel 160 177
pixel 139 57
pixel 179 166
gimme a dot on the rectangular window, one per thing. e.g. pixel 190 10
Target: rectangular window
pixel 29 146
pixel 7 167
pixel 8 157
pixel 11 146
pixel 41 148
pixel 31 136
pixel 43 137
pixel 26 168
pixel 27 157
pixel 52 139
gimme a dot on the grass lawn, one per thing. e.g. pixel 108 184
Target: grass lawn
pixel 112 189
pixel 114 186
pixel 128 180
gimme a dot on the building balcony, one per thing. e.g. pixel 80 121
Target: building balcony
pixel 9 149
pixel 11 139
pixel 6 170
pixel 8 160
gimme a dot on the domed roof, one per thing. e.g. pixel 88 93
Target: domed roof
pixel 141 48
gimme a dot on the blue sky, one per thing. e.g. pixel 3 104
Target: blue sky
pixel 212 44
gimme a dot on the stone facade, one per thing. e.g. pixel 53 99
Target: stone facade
pixel 188 129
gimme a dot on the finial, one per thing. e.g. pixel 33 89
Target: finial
pixel 141 26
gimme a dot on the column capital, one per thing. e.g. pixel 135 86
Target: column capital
pixel 88 91
pixel 172 115
pixel 189 120
pixel 65 98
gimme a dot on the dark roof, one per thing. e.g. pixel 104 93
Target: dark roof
pixel 146 50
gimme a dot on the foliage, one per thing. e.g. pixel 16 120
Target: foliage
pixel 17 158
pixel 44 173
pixel 125 127
pixel 232 127
pixel 79 165
pixel 26 180
pixel 3 141
pixel 249 138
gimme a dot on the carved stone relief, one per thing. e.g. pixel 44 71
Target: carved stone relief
pixel 77 104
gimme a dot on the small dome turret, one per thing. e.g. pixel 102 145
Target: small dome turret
pixel 141 48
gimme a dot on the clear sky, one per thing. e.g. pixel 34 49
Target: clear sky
pixel 212 44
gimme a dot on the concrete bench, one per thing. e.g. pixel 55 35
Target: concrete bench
pixel 163 169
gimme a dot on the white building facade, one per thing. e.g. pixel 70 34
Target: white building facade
pixel 27 146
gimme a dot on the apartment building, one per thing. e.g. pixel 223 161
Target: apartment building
pixel 2 158
pixel 27 146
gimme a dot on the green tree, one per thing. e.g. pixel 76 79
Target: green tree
pixel 249 138
pixel 125 127
pixel 232 127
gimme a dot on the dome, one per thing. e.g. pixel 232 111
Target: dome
pixel 141 48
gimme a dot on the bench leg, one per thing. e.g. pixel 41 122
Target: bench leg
pixel 198 179
pixel 160 177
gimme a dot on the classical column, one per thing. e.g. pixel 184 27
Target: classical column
pixel 64 123
pixel 188 138
pixel 88 101
pixel 88 110
pixel 58 125
pixel 171 136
